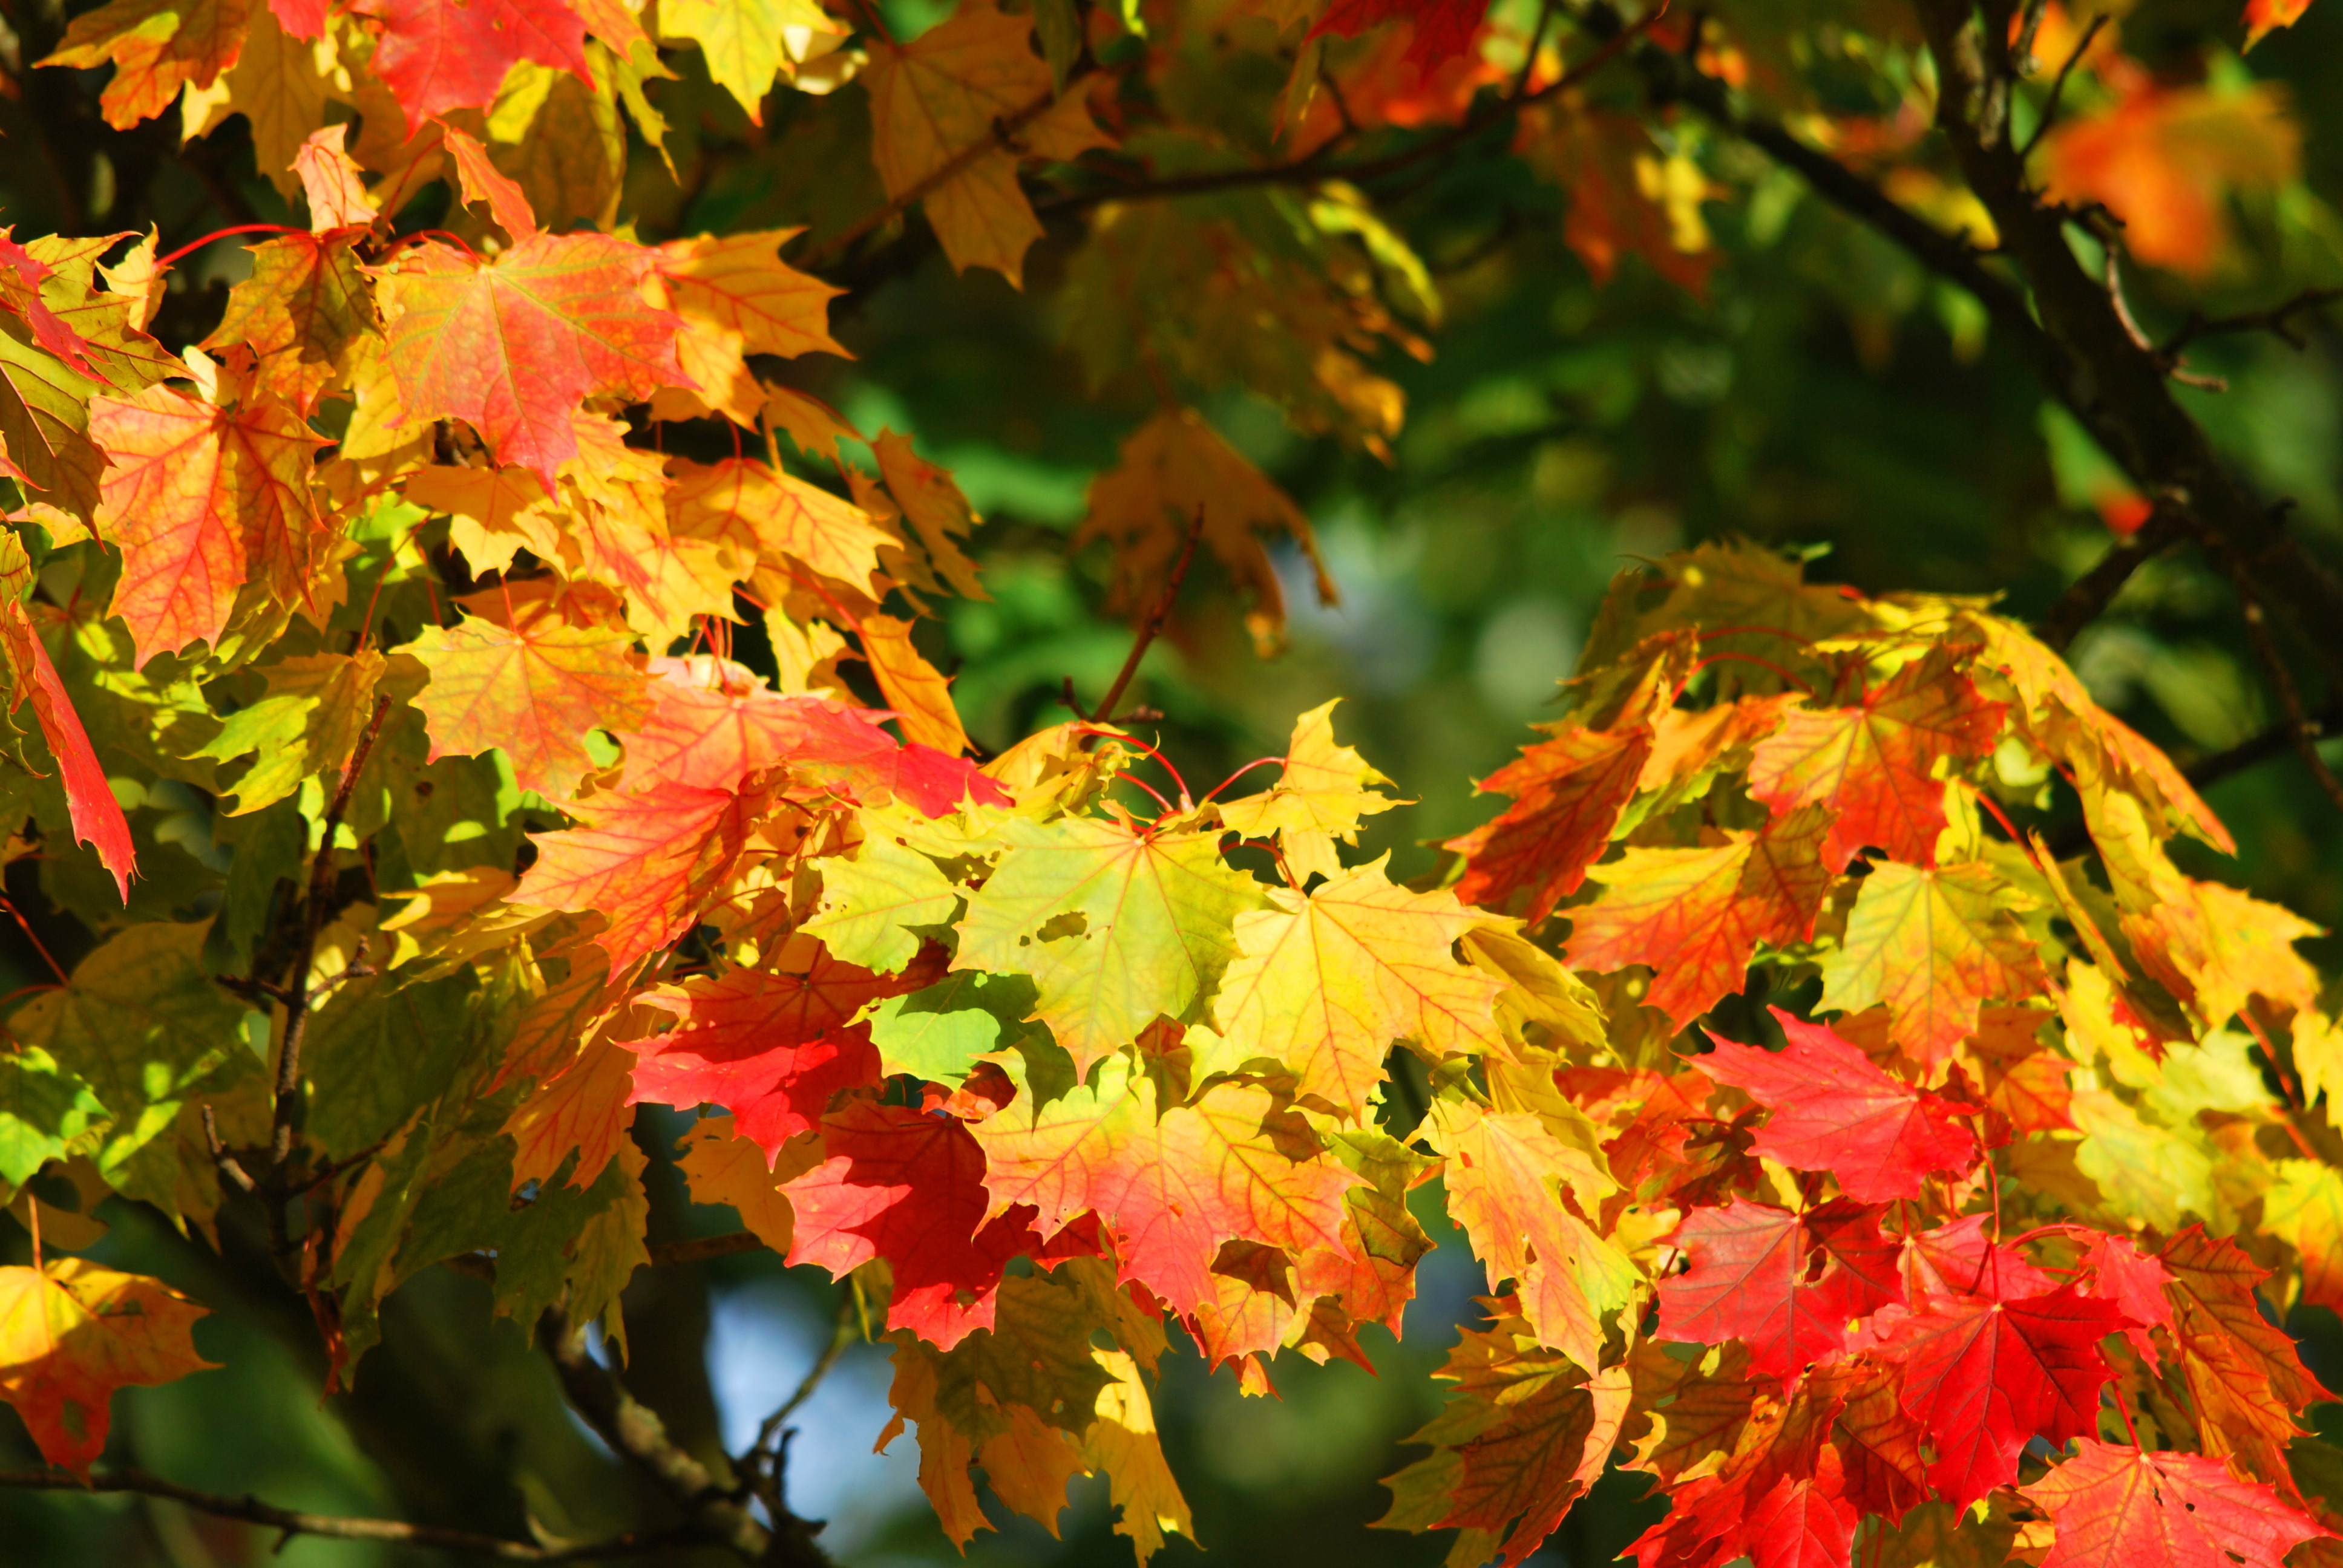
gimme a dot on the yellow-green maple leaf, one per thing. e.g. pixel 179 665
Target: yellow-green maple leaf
pixel 1117 925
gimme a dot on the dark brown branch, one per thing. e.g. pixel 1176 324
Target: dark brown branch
pixel 2089 357
pixel 293 1522
pixel 2091 593
pixel 2281 678
pixel 1152 625
pixel 633 1430
pixel 700 1248
pixel 2278 320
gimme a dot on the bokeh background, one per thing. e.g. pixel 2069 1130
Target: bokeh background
pixel 1823 395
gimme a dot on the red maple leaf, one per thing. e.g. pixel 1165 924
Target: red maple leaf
pixel 1955 1259
pixel 1874 762
pixel 2116 1507
pixel 908 1187
pixel 770 1047
pixel 440 54
pixel 1567 795
pixel 1985 1375
pixel 1748 1281
pixel 2134 1281
pixel 96 815
pixel 1831 1109
pixel 1444 28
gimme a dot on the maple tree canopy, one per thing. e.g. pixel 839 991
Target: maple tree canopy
pixel 617 617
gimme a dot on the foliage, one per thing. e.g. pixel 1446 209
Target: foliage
pixel 1876 1131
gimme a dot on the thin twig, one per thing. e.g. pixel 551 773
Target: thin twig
pixel 2278 320
pixel 764 1465
pixel 314 912
pixel 635 1430
pixel 2140 338
pixel 2058 83
pixel 1152 625
pixel 293 1522
pixel 2091 593
pixel 2281 679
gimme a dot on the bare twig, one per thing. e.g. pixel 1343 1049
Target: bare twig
pixel 1152 625
pixel 2092 592
pixel 2278 319
pixel 635 1430
pixel 2281 678
pixel 763 1465
pixel 293 1522
pixel 2140 339
pixel 2058 83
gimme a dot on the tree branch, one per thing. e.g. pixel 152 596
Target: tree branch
pixel 634 1429
pixel 397 1532
pixel 1152 625
pixel 2091 593
pixel 700 1248
pixel 2281 678
pixel 2278 319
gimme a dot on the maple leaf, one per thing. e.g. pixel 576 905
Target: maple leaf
pixel 735 296
pixel 1748 1281
pixel 943 109
pixel 2243 1371
pixel 1172 1188
pixel 440 54
pixel 720 1166
pixel 1320 794
pixel 157 46
pixel 1170 472
pixel 908 1186
pixel 202 500
pixel 311 723
pixel 1325 983
pixel 768 514
pixel 2263 17
pixel 73 1332
pixel 303 313
pixel 646 862
pixel 96 815
pixel 1520 1192
pixel 1117 928
pixel 2166 160
pixel 1874 764
pixel 1699 914
pixel 939 1033
pixel 1934 946
pixel 1568 793
pixel 2118 1505
pixel 1442 28
pixel 771 1047
pixel 1625 199
pixel 330 181
pixel 1986 1375
pixel 748 42
pixel 531 690
pixel 515 344
pixel 932 503
pixel 1832 1109
pixel 713 724
pixel 871 902
pixel 1522 1436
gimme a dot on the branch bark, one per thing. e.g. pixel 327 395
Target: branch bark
pixel 397 1532
pixel 634 1429
pixel 2091 593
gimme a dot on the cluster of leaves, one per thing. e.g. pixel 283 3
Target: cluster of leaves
pixel 386 610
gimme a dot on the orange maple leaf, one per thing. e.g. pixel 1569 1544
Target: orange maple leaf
pixel 532 690
pixel 514 345
pixel 73 1332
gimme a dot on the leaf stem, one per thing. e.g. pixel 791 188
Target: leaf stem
pixel 194 246
pixel 1152 626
